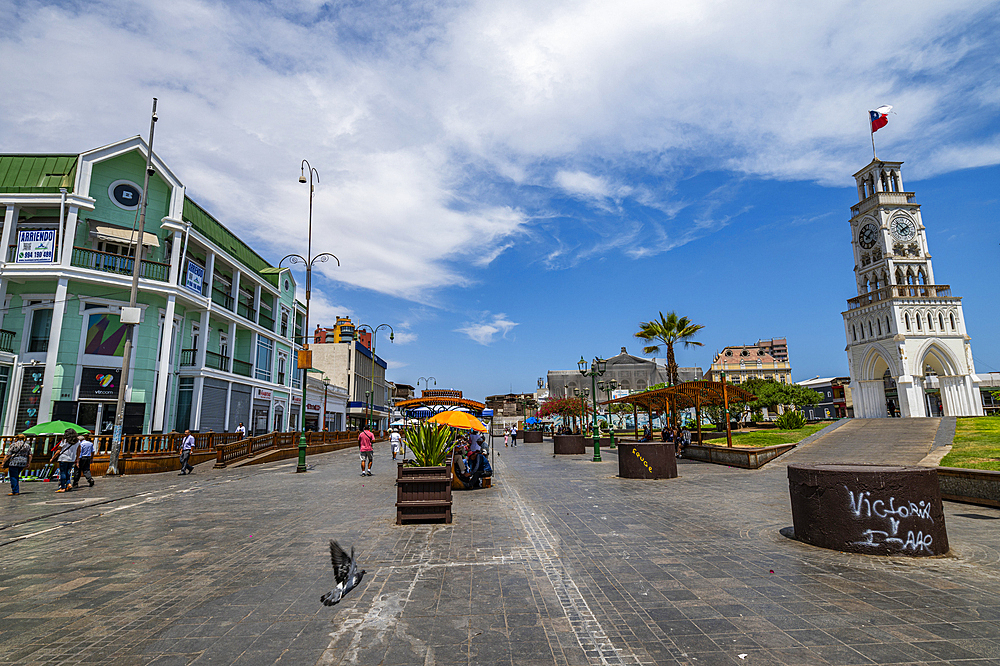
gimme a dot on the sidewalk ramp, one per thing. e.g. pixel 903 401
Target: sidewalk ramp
pixel 876 441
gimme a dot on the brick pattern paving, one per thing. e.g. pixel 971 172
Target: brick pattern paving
pixel 561 563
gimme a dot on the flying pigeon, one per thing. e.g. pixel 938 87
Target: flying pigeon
pixel 345 572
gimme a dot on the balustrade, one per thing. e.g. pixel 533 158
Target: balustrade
pixel 115 263
pixel 7 341
pixel 900 291
pixel 217 361
pixel 242 368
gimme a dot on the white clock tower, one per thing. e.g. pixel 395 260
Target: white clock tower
pixel 907 348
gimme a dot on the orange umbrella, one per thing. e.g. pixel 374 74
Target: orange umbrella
pixel 461 420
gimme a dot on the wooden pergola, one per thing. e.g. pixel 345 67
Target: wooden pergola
pixel 441 403
pixel 689 394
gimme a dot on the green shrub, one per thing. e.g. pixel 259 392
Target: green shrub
pixel 791 420
pixel 430 444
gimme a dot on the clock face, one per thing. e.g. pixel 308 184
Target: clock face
pixel 903 229
pixel 868 236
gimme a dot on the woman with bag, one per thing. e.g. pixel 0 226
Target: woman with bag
pixel 68 454
pixel 17 460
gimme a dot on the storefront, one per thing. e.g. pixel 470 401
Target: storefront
pixel 261 410
pixel 313 412
pixel 294 415
pixel 280 407
pixel 97 404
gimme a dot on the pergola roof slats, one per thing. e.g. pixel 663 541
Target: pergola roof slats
pixel 438 401
pixel 688 394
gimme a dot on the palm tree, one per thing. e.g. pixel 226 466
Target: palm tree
pixel 669 330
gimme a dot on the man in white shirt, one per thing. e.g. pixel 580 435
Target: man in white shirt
pixel 395 440
pixel 241 430
pixel 187 446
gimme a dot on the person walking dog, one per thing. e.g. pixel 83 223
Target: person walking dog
pixel 187 446
pixel 68 455
pixel 18 459
pixel 86 457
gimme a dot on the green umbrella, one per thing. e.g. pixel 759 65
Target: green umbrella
pixel 55 428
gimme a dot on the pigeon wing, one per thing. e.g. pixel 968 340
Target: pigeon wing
pixel 341 563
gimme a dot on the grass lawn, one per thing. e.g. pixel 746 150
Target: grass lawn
pixel 976 445
pixel 771 437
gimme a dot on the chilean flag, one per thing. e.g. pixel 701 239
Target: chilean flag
pixel 880 117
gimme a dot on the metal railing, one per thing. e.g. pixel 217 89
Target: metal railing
pixel 188 357
pixel 217 361
pixel 7 341
pixel 245 310
pixel 222 298
pixel 265 321
pixel 242 368
pixel 900 291
pixel 115 263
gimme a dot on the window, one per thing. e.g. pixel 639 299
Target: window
pixel 285 314
pixel 878 323
pixel 282 364
pixel 930 322
pixel 907 318
pixel 941 321
pixel 854 332
pixel 918 318
pixel 41 323
pixel 265 351
pixel 952 318
pixel 224 344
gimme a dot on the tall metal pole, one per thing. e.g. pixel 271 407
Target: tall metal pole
pixel 116 437
pixel 374 331
pixel 301 467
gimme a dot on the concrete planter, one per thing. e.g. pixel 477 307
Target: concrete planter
pixel 736 456
pixel 646 461
pixel 568 445
pixel 973 486
pixel 532 436
pixel 423 494
pixel 871 509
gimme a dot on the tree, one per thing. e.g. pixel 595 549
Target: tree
pixel 669 331
pixel 770 394
pixel 567 408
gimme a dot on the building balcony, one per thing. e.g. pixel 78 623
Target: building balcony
pixel 7 341
pixel 222 298
pixel 216 361
pixel 188 357
pixel 115 263
pixel 245 310
pixel 265 321
pixel 900 291
pixel 242 368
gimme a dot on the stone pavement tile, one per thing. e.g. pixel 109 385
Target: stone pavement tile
pixel 799 656
pixel 841 654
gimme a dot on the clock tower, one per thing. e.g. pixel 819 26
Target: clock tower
pixel 907 348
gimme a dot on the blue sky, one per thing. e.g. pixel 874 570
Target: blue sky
pixel 513 185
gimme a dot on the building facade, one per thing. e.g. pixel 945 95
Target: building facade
pixel 325 406
pixel 631 372
pixel 836 402
pixel 352 365
pixel 908 350
pixel 743 362
pixel 342 331
pixel 215 342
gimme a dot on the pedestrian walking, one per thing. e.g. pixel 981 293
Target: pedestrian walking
pixel 86 457
pixel 18 459
pixel 187 446
pixel 513 435
pixel 395 440
pixel 506 436
pixel 68 456
pixel 365 446
pixel 241 430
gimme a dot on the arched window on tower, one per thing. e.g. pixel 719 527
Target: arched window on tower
pixel 918 321
pixel 862 330
pixel 888 328
pixel 952 318
pixel 920 277
pixel 941 321
pixel 878 325
pixel 870 333
pixel 906 318
pixel 854 332
pixel 930 322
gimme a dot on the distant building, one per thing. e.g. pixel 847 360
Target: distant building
pixel 631 372
pixel 989 383
pixel 836 402
pixel 744 362
pixel 352 365
pixel 512 404
pixel 342 331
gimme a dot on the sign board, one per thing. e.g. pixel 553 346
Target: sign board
pixel 619 393
pixel 36 247
pixel 101 383
pixel 310 407
pixel 305 359
pixel 195 277
pixel 262 394
pixel 296 398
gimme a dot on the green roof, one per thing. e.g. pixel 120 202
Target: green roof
pixel 212 229
pixel 37 174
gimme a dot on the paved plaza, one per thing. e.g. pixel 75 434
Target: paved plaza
pixel 560 563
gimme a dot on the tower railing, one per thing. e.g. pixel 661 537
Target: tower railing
pixel 900 291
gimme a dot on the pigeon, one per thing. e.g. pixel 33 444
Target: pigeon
pixel 345 572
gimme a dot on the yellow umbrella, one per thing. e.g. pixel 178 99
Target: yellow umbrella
pixel 462 420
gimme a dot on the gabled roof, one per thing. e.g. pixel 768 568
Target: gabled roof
pixel 37 174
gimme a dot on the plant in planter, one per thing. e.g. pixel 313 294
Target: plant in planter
pixel 423 485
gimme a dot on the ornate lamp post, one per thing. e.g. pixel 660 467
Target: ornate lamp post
pixel 426 381
pixel 374 332
pixel 305 359
pixel 597 368
pixel 609 386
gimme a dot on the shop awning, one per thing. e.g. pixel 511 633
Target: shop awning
pixel 119 235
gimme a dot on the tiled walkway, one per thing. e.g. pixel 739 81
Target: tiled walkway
pixel 561 563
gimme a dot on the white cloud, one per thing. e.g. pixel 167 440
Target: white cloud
pixel 441 129
pixel 487 327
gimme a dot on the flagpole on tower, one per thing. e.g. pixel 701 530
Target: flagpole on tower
pixel 874 156
pixel 878 119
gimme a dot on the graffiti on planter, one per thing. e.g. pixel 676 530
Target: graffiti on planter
pixel 890 514
pixel 642 460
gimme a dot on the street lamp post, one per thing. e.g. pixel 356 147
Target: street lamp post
pixel 609 386
pixel 305 359
pixel 583 402
pixel 326 387
pixel 597 368
pixel 426 381
pixel 374 332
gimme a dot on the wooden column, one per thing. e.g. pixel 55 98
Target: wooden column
pixel 697 413
pixel 725 402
